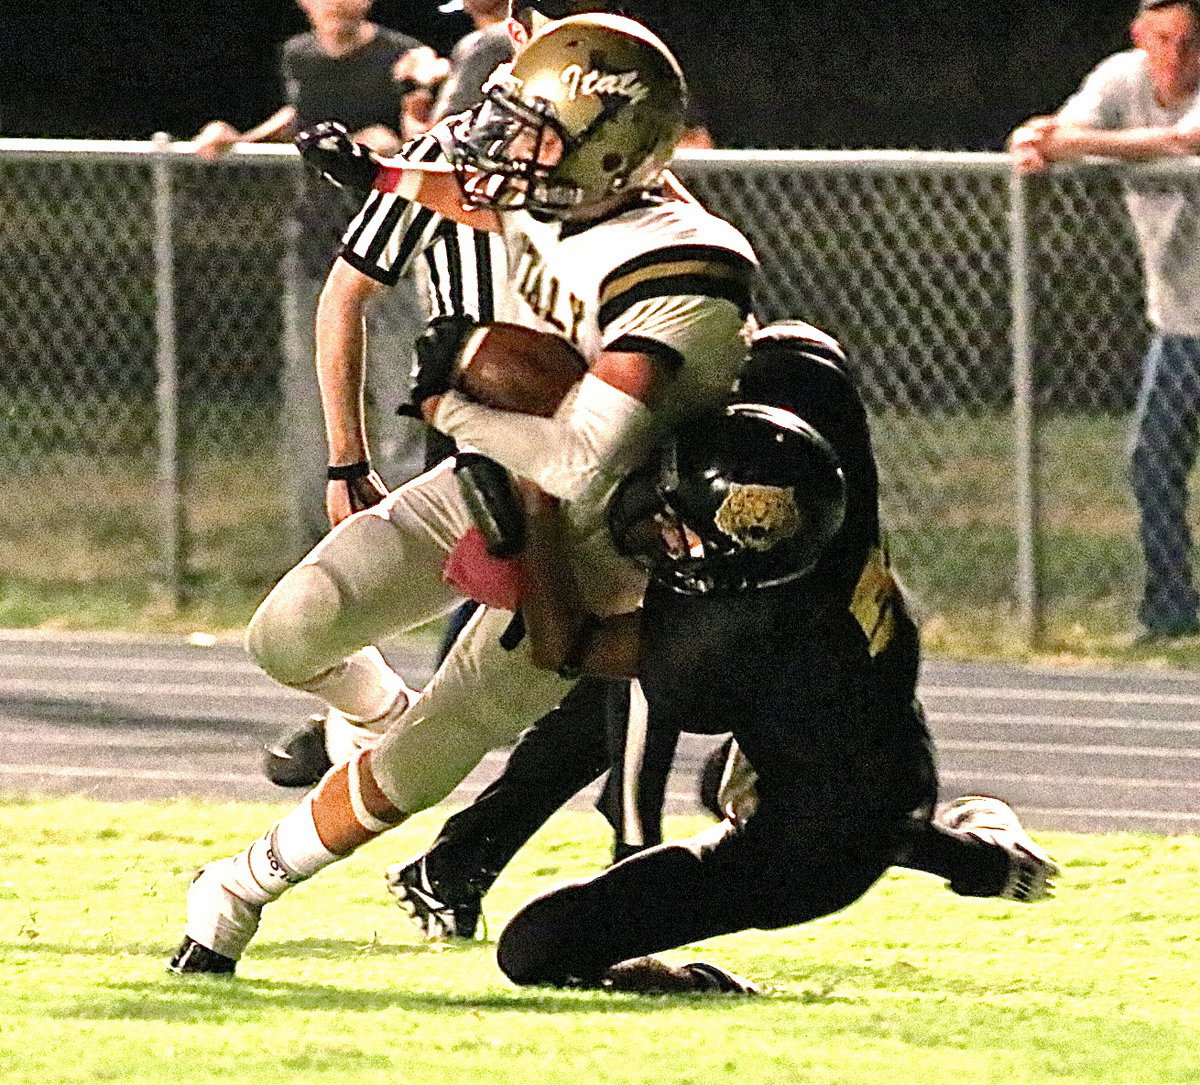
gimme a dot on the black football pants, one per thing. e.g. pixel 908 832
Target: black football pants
pixel 774 871
pixel 565 751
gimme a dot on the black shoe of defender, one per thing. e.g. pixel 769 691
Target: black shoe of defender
pixel 650 976
pixel 193 958
pixel 712 977
pixel 437 918
pixel 299 758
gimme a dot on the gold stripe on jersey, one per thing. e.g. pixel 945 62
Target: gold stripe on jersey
pixel 659 271
pixel 874 601
pixel 706 270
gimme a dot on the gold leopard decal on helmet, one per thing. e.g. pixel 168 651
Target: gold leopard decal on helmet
pixel 757 517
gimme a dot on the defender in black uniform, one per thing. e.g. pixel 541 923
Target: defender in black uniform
pixel 772 614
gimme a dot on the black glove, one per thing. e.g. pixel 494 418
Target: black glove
pixel 488 494
pixel 328 148
pixel 436 348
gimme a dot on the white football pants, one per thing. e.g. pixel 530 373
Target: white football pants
pixel 378 574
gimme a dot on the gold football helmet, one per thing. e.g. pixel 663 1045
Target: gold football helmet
pixel 588 113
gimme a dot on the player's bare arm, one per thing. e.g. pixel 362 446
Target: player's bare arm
pixel 599 420
pixel 563 637
pixel 636 374
pixel 340 374
pixel 434 185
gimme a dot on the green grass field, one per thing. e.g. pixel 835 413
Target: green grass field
pixel 910 984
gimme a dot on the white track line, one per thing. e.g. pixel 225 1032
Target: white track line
pixel 1059 696
pixel 65 688
pixel 1115 815
pixel 1075 782
pixel 1066 748
pixel 1115 723
pixel 89 773
pixel 71 772
pixel 140 664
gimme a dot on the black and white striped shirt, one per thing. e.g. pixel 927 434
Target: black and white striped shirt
pixel 466 269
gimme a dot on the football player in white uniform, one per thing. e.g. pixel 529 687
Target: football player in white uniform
pixel 561 158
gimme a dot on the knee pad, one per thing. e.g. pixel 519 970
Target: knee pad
pixel 289 636
pixel 530 949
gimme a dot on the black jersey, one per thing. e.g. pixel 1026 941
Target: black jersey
pixel 814 675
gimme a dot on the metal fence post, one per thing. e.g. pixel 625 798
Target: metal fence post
pixel 1025 444
pixel 294 342
pixel 169 473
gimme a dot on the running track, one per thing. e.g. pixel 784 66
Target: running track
pixel 134 718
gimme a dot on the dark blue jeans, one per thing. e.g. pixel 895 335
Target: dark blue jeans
pixel 1162 454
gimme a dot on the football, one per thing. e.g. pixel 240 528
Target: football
pixel 514 368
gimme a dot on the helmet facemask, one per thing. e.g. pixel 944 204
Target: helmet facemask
pixel 746 499
pixel 506 150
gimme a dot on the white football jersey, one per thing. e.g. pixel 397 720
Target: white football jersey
pixel 664 277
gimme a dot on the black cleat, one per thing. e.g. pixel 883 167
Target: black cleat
pixel 298 759
pixel 650 976
pixel 423 900
pixel 711 977
pixel 192 957
pixel 1031 872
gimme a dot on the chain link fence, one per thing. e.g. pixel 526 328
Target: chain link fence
pixel 996 326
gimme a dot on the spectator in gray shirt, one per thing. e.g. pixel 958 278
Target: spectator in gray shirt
pixel 1140 105
pixel 350 69
pixel 475 57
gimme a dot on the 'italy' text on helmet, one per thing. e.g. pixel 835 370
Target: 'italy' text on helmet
pixel 589 113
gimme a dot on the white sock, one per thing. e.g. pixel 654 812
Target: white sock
pixel 289 852
pixel 344 739
pixel 362 687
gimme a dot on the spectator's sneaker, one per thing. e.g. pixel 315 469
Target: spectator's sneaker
pixel 219 926
pixel 437 917
pixel 1031 871
pixel 650 976
pixel 298 759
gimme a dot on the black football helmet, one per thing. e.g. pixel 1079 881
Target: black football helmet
pixel 748 497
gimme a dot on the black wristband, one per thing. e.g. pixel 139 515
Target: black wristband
pixel 348 472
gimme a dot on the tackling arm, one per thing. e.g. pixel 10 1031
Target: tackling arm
pixel 602 423
pixel 562 636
